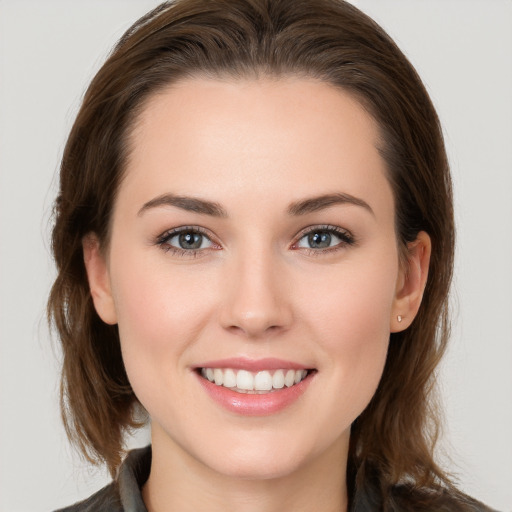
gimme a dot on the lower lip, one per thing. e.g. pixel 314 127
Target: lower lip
pixel 247 404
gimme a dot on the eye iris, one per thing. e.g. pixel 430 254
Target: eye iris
pixel 190 240
pixel 319 240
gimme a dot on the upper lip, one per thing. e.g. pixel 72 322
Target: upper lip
pixel 253 365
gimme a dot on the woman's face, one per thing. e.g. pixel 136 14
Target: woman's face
pixel 253 243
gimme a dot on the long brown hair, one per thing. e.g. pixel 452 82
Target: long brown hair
pixel 393 439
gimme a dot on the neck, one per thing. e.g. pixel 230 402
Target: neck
pixel 178 481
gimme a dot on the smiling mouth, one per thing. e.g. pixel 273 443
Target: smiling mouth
pixel 261 382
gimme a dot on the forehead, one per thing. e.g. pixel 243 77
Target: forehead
pixel 257 136
pixel 294 105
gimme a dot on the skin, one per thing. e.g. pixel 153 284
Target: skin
pixel 256 288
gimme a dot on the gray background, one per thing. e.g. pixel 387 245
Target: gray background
pixel 49 51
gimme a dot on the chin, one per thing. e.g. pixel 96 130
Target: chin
pixel 267 455
pixel 258 468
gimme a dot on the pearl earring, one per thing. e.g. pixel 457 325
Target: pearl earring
pixel 399 318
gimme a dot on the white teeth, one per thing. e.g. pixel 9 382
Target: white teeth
pixel 299 375
pixel 218 376
pixel 289 380
pixel 261 382
pixel 229 378
pixel 278 380
pixel 244 380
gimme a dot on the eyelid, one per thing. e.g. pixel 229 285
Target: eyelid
pixel 346 237
pixel 183 229
pixel 161 240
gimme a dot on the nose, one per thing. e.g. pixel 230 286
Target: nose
pixel 257 297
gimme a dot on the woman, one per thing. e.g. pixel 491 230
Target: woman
pixel 254 238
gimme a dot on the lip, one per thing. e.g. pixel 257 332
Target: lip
pixel 253 365
pixel 246 404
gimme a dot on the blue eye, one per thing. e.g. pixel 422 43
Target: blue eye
pixel 185 240
pixel 189 240
pixel 325 238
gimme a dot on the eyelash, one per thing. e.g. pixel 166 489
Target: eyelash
pixel 163 241
pixel 346 240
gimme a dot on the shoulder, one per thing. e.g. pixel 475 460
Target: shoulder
pixel 125 493
pixel 105 500
pixel 407 498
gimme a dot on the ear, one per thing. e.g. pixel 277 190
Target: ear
pixel 99 279
pixel 411 282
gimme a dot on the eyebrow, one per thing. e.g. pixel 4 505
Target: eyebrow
pixel 302 207
pixel 190 204
pixel 314 204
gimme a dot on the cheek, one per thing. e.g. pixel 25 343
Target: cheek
pixel 353 300
pixel 352 321
pixel 159 314
pixel 151 297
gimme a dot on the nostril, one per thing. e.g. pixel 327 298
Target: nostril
pixel 253 329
